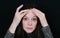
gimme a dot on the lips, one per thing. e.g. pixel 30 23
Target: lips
pixel 29 28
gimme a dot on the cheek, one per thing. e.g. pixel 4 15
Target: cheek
pixel 24 23
pixel 34 24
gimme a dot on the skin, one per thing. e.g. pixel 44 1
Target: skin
pixel 41 16
pixel 19 15
pixel 29 22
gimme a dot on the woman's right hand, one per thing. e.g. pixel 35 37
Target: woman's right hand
pixel 18 15
pixel 17 18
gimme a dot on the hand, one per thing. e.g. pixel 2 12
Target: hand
pixel 18 15
pixel 17 18
pixel 41 16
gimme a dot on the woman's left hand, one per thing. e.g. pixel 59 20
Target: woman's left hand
pixel 41 17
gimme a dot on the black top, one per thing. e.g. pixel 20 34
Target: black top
pixel 46 30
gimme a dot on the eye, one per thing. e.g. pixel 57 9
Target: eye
pixel 34 19
pixel 25 19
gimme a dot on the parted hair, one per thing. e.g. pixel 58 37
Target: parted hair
pixel 37 33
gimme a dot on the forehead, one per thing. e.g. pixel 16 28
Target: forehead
pixel 30 14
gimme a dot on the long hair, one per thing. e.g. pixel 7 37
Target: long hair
pixel 37 33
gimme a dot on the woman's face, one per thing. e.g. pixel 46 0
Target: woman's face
pixel 29 22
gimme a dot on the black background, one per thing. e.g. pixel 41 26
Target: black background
pixel 50 7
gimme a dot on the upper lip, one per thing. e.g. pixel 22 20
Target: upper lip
pixel 29 28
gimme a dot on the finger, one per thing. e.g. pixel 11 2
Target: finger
pixel 24 14
pixel 21 12
pixel 39 12
pixel 36 11
pixel 19 8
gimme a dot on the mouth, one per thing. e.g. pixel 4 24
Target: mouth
pixel 29 28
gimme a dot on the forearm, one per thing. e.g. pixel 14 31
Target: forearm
pixel 9 35
pixel 45 28
pixel 11 30
pixel 47 32
pixel 13 27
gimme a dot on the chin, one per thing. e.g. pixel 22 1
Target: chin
pixel 29 31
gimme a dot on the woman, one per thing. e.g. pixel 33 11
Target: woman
pixel 26 24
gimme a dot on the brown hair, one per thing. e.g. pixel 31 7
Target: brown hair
pixel 37 33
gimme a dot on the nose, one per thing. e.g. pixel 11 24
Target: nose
pixel 30 23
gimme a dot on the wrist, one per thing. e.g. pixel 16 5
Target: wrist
pixel 12 28
pixel 44 25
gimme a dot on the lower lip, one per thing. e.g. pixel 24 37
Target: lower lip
pixel 29 28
